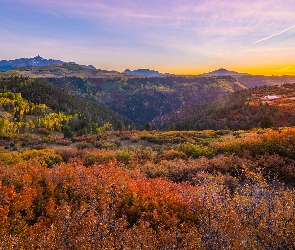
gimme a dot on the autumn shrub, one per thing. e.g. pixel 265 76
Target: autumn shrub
pixel 277 168
pixel 107 144
pixel 71 206
pixel 222 132
pixel 144 154
pixel 252 208
pixel 63 142
pixel 91 157
pixel 151 199
pixel 171 155
pixel 68 153
pixel 242 147
pixel 43 131
pixel 232 165
pixel 8 158
pixel 125 155
pixel 271 142
pixel 83 145
pixel 177 170
pixel 46 158
pixel 195 151
pixel 186 170
pixel 105 187
pixel 273 167
pixel 39 146
pixel 156 201
pixel 125 135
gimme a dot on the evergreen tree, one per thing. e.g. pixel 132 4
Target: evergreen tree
pixel 266 122
pixel 148 126
pixel 68 133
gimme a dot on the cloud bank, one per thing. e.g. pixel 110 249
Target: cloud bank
pixel 172 34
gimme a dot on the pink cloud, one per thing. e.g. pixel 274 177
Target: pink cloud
pixel 173 10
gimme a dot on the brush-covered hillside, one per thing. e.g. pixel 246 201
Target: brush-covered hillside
pixel 149 189
pixel 267 106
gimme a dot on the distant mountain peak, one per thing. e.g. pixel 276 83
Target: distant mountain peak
pixel 222 69
pixel 224 72
pixel 38 57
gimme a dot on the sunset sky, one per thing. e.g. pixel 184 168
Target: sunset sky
pixel 176 36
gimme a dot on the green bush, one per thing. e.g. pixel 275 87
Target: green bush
pixel 125 155
pixel 195 151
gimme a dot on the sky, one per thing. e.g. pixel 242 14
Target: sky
pixel 175 36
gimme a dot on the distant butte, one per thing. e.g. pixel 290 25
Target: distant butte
pixel 145 72
pixel 224 72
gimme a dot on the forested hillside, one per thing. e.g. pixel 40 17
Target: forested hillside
pixel 240 110
pixel 141 99
pixel 85 112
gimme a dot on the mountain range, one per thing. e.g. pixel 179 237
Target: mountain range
pixel 35 61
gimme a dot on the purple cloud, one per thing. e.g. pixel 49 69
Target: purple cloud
pixel 196 32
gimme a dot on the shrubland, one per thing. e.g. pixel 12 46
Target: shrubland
pixel 149 190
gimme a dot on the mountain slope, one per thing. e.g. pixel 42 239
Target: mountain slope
pixel 142 99
pixel 251 81
pixel 240 110
pixel 40 91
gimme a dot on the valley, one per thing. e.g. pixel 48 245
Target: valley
pixel 92 159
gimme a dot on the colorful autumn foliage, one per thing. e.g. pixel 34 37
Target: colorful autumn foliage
pixel 69 182
pixel 203 190
pixel 225 203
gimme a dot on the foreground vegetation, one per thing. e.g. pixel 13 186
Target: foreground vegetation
pixel 71 177
pixel 148 190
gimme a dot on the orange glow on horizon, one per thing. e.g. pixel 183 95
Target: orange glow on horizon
pixel 267 71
